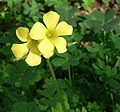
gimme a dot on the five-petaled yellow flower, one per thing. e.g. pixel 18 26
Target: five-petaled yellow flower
pixel 52 34
pixel 28 49
pixel 42 39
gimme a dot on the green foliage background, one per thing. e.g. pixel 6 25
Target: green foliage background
pixel 92 60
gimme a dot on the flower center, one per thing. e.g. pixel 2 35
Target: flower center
pixel 32 45
pixel 48 34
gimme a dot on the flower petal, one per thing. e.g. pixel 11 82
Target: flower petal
pixel 46 48
pixel 22 33
pixel 63 29
pixel 33 59
pixel 38 31
pixel 19 50
pixel 60 44
pixel 51 19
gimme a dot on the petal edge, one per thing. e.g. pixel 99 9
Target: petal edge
pixel 51 19
pixel 33 59
pixel 22 33
pixel 38 31
pixel 63 29
pixel 19 50
pixel 46 48
pixel 60 44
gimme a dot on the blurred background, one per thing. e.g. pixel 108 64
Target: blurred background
pixel 93 58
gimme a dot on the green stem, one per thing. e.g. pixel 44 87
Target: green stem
pixel 105 38
pixel 69 73
pixel 56 84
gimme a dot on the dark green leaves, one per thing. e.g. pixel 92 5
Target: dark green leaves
pixel 87 4
pixel 25 107
pixel 102 21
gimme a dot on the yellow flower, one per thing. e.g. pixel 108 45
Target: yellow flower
pixel 51 34
pixel 42 39
pixel 28 49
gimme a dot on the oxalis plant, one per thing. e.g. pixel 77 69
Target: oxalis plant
pixel 41 41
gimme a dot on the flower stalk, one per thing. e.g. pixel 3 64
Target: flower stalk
pixel 56 84
pixel 69 73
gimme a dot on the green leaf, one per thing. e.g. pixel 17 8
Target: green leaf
pixel 77 36
pixel 58 107
pixel 117 109
pixel 118 2
pixel 58 61
pixel 94 16
pixel 77 110
pixel 66 12
pixel 26 8
pixel 84 109
pixel 116 41
pixel 25 107
pixel 114 84
pixel 87 4
pixel 106 1
pixel 111 25
pixel 93 107
pixel 50 2
pixel 29 78
pixel 100 63
pixel 10 69
pixel 110 72
pixel 94 48
pixel 118 62
pixel 10 3
pixel 109 15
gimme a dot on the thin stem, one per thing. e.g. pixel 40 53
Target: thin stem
pixel 56 84
pixel 72 72
pixel 105 38
pixel 69 73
